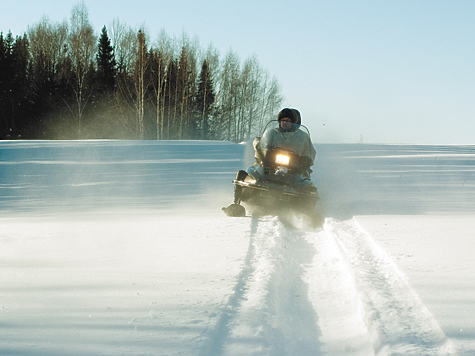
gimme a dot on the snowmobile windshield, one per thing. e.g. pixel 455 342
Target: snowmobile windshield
pixel 284 134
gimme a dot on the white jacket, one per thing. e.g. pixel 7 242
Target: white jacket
pixel 296 141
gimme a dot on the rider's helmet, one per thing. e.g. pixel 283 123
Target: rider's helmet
pixel 292 114
pixel 298 118
pixel 287 113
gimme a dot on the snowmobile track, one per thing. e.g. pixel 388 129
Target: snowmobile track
pixel 327 292
pixel 397 321
pixel 269 312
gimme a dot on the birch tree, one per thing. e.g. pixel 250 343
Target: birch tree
pixel 272 99
pixel 82 49
pixel 49 70
pixel 162 55
pixel 186 85
pixel 204 102
pixel 48 47
pixel 124 40
pixel 184 91
pixel 227 95
pixel 250 95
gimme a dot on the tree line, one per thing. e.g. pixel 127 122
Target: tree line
pixel 61 81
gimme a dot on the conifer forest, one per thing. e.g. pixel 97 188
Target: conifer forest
pixel 64 81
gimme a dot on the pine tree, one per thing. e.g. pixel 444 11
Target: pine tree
pixel 140 81
pixel 7 78
pixel 20 114
pixel 106 64
pixel 4 123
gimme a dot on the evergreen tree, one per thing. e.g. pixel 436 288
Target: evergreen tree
pixel 4 53
pixel 8 103
pixel 60 82
pixel 20 112
pixel 141 82
pixel 99 115
pixel 182 93
pixel 106 64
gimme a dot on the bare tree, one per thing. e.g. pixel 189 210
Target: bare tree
pixel 250 95
pixel 141 64
pixel 48 46
pixel 160 85
pixel 186 85
pixel 246 99
pixel 211 56
pixel 123 38
pixel 227 93
pixel 82 49
pixel 272 101
pixel 163 54
pixel 49 70
pixel 212 59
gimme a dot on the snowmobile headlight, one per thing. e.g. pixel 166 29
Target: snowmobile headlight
pixel 282 159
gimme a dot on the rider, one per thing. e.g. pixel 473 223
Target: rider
pixel 288 136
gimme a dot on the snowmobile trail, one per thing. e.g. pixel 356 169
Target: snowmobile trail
pixel 396 321
pixel 327 292
pixel 269 312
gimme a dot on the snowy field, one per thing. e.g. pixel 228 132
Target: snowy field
pixel 120 248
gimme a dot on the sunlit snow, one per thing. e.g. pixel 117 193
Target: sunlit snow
pixel 121 248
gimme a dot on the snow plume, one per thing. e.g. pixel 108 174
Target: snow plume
pixel 90 175
pixel 394 179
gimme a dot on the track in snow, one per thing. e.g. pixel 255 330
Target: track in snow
pixel 329 292
pixel 269 312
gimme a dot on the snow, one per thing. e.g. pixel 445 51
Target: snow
pixel 120 248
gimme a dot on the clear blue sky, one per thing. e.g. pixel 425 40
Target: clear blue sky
pixel 389 71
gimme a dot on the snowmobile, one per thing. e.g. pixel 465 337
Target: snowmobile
pixel 278 182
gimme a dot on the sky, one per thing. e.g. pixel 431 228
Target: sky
pixel 372 71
